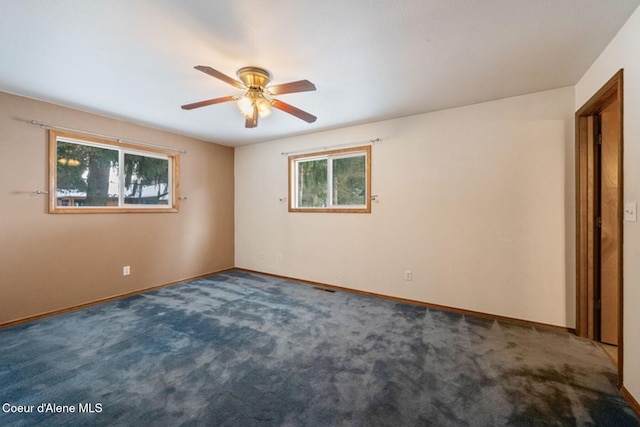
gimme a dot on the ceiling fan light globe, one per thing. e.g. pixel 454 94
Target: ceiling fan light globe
pixel 264 107
pixel 245 104
pixel 264 113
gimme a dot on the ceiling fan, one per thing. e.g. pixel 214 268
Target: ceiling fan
pixel 257 99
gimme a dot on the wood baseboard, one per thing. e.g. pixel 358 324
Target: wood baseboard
pixel 506 319
pixel 635 405
pixel 103 300
pixel 308 282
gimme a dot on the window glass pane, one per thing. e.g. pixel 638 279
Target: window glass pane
pixel 349 181
pixel 86 175
pixel 312 183
pixel 146 180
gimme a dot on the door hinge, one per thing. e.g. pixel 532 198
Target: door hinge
pixel 599 139
pixel 599 221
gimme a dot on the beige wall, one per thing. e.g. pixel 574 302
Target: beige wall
pixel 477 201
pixel 623 53
pixel 51 262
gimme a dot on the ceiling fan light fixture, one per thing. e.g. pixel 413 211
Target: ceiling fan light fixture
pixel 248 101
pixel 69 162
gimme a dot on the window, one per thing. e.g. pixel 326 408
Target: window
pixel 89 174
pixel 331 181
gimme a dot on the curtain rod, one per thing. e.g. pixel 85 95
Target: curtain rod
pixel 113 138
pixel 331 147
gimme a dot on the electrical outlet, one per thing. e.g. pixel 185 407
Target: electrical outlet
pixel 126 270
pixel 408 275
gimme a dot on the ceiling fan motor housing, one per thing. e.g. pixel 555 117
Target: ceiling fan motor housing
pixel 254 77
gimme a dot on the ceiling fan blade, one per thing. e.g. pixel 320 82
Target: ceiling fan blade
pixel 218 75
pixel 252 121
pixel 303 115
pixel 299 86
pixel 208 102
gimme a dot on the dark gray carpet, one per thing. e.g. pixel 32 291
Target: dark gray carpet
pixel 240 349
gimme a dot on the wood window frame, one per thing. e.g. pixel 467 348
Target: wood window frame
pixel 126 148
pixel 293 198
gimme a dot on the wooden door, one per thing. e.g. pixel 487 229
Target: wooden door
pixel 596 291
pixel 610 233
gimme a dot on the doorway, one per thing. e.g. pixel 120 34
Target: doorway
pixel 599 185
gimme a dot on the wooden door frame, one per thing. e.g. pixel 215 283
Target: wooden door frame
pixel 586 245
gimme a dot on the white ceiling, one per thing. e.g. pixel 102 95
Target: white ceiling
pixel 370 59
